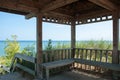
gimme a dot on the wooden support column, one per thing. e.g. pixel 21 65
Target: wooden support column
pixel 39 45
pixel 73 37
pixel 115 59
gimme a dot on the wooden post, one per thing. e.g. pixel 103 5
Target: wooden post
pixel 73 37
pixel 39 45
pixel 115 59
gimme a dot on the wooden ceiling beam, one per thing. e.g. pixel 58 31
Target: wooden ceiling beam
pixel 30 3
pixel 107 4
pixel 48 14
pixel 53 5
pixel 93 14
pixel 57 15
pixel 12 5
pixel 57 4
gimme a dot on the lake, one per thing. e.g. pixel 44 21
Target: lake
pixel 24 44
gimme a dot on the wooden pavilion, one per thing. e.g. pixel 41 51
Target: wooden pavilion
pixel 68 12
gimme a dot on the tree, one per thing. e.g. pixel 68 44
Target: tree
pixel 29 50
pixel 49 46
pixel 12 47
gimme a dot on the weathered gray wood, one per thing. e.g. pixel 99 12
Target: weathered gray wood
pixel 56 4
pixel 115 36
pixel 39 45
pixel 73 37
pixel 12 64
pixel 55 64
pixel 47 73
pixel 59 63
pixel 105 4
pixel 25 69
pixel 25 57
pixel 115 67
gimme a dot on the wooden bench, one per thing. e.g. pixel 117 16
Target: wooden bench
pixel 18 65
pixel 115 67
pixel 55 64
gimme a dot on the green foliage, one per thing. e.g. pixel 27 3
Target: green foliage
pixel 49 46
pixel 12 47
pixel 29 50
pixel 94 44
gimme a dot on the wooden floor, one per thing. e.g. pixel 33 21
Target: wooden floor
pixel 70 75
pixel 75 75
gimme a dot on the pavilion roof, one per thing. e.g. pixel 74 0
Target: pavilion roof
pixel 63 11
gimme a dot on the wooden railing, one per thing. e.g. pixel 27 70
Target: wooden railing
pixel 94 54
pixel 99 55
pixel 57 54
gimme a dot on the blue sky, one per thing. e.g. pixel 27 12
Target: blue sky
pixel 12 24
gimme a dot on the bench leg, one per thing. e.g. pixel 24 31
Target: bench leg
pixel 47 74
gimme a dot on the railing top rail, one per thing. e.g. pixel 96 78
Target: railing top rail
pixel 94 49
pixel 57 49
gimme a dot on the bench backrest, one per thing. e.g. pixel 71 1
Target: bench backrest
pixel 15 63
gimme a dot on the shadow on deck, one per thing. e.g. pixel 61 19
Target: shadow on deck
pixel 70 75
pixel 75 75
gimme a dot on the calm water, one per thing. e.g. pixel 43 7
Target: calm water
pixel 24 44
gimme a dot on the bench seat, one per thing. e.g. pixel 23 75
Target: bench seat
pixel 54 64
pixel 115 67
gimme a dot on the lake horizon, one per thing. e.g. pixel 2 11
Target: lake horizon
pixel 25 43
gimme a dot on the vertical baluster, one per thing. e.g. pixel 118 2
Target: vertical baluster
pixel 81 56
pixel 57 54
pixel 66 54
pixel 95 59
pixel 69 54
pixel 90 54
pixel 86 54
pixel 81 53
pixel 59 57
pixel 54 55
pixel 86 50
pixel 106 56
pixel 103 59
pixel 100 55
pixel 100 70
pixel 46 57
pixel 90 57
pixel 51 55
pixel 95 55
pixel 76 53
pixel 61 54
pixel 43 56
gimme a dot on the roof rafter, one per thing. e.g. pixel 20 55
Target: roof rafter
pixel 107 4
pixel 48 14
pixel 51 6
pixel 57 4
pixel 93 14
pixel 12 5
